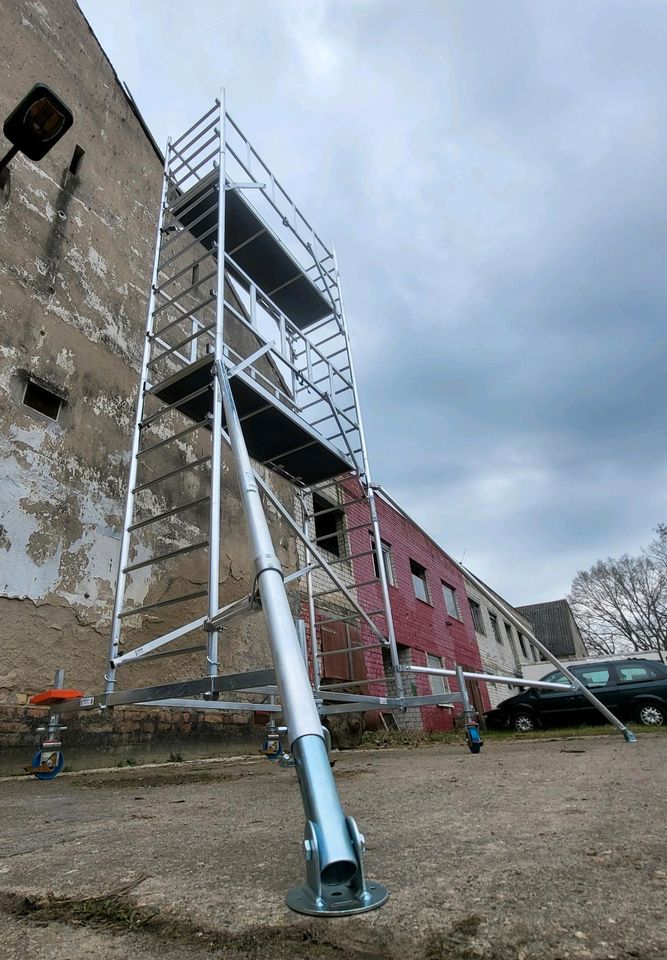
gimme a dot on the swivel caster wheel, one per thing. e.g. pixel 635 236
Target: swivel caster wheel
pixel 47 763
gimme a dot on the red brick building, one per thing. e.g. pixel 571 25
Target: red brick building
pixel 432 618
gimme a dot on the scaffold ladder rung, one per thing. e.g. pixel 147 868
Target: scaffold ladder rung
pixel 133 611
pixel 182 343
pixel 349 617
pixel 359 648
pixel 173 406
pixel 160 558
pixel 175 436
pixel 200 461
pixel 356 585
pixel 168 513
pixel 181 317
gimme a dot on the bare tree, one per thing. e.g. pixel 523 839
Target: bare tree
pixel 621 604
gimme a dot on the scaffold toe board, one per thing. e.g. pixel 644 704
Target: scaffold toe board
pixel 274 435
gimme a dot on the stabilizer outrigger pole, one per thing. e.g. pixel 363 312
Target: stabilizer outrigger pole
pixel 333 847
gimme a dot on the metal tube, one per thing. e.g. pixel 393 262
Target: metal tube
pixel 318 789
pixel 469 711
pixel 300 710
pixel 145 648
pixel 216 436
pixel 321 562
pixel 367 483
pixel 121 579
pixel 53 729
pixel 488 677
pixel 338 863
pixel 311 599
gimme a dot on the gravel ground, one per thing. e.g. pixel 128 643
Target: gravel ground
pixel 530 851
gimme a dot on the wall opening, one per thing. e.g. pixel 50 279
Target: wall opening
pixel 76 159
pixel 42 400
pixel 329 525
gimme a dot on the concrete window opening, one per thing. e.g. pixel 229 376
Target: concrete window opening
pixel 419 582
pixel 451 601
pixel 522 644
pixel 495 626
pixel 329 525
pixel 42 400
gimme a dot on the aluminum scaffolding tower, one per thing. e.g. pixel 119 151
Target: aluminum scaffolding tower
pixel 247 347
pixel 247 369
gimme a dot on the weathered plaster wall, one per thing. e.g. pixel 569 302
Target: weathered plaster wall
pixel 76 253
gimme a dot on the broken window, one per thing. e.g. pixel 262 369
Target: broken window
pixel 329 525
pixel 477 617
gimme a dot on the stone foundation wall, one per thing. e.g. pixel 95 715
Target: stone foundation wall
pixel 125 726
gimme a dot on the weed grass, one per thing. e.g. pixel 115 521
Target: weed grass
pixel 420 738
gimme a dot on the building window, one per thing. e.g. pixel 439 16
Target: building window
pixel 439 685
pixel 387 561
pixel 508 631
pixel 42 400
pixel 495 626
pixel 451 601
pixel 329 525
pixel 522 644
pixel 477 617
pixel 419 583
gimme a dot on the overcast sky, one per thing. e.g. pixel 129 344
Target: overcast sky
pixel 494 175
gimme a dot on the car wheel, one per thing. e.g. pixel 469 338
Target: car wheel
pixel 524 722
pixel 651 714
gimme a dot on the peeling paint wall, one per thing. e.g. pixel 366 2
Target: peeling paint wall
pixel 76 253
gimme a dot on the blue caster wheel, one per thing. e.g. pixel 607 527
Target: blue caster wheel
pixel 272 748
pixel 47 764
pixel 474 740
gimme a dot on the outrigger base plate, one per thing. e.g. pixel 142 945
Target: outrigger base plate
pixel 318 899
pixel 336 899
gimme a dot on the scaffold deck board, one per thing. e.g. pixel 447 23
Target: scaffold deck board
pixel 256 249
pixel 270 429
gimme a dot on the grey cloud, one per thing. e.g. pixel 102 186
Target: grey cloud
pixel 493 175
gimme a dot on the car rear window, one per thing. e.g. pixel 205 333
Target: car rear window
pixel 628 674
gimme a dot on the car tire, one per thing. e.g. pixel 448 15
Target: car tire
pixel 651 714
pixel 524 722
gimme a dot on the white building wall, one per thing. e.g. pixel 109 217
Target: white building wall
pixel 536 671
pixel 505 657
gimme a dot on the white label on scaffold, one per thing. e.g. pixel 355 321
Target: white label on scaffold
pixel 87 702
pixel 382 699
